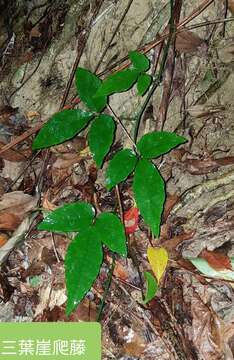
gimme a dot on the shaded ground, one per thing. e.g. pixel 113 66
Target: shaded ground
pixel 192 316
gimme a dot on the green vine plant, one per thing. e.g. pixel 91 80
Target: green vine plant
pixel 85 252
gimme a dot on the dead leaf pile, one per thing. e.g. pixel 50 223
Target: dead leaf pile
pixel 14 207
pixel 216 260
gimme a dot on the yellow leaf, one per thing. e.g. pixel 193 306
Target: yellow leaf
pixel 158 258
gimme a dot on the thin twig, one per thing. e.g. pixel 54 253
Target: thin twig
pixel 113 35
pixel 22 137
pixel 131 252
pixel 205 23
pixel 119 203
pixel 54 248
pixel 158 78
pixel 225 16
pixel 39 126
pixel 23 171
pixel 80 48
pixel 30 75
pixel 146 48
pixel 169 69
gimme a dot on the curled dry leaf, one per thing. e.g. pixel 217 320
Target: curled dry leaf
pixel 13 208
pixel 216 260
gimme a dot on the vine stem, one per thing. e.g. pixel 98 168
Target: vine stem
pixel 111 270
pixel 158 78
pixel 118 120
pixel 113 35
pixel 131 252
pixel 107 287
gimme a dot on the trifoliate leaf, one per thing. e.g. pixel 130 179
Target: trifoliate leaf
pixel 70 217
pixel 60 127
pixel 82 264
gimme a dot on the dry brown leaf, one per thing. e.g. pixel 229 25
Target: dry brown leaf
pixel 66 160
pixel 86 311
pixel 9 221
pixel 199 111
pixel 187 41
pixel 120 272
pixel 30 115
pixel 200 167
pixel 3 239
pixel 11 155
pixel 170 202
pixel 46 204
pixel 134 344
pixel 216 260
pixel 171 244
pixel 205 166
pixel 18 236
pixel 17 203
pixel 207 331
pixel 231 6
pixel 35 32
pixel 5 113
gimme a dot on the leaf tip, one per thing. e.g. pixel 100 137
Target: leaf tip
pixel 41 226
pixel 35 145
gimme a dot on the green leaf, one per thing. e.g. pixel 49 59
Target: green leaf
pixel 61 127
pixel 154 144
pixel 82 264
pixel 70 217
pixel 203 266
pixel 118 82
pixel 139 61
pixel 143 83
pixel 109 230
pixel 149 190
pixel 87 85
pixel 101 137
pixel 120 167
pixel 152 287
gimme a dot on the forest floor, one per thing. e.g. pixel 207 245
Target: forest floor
pixel 192 315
